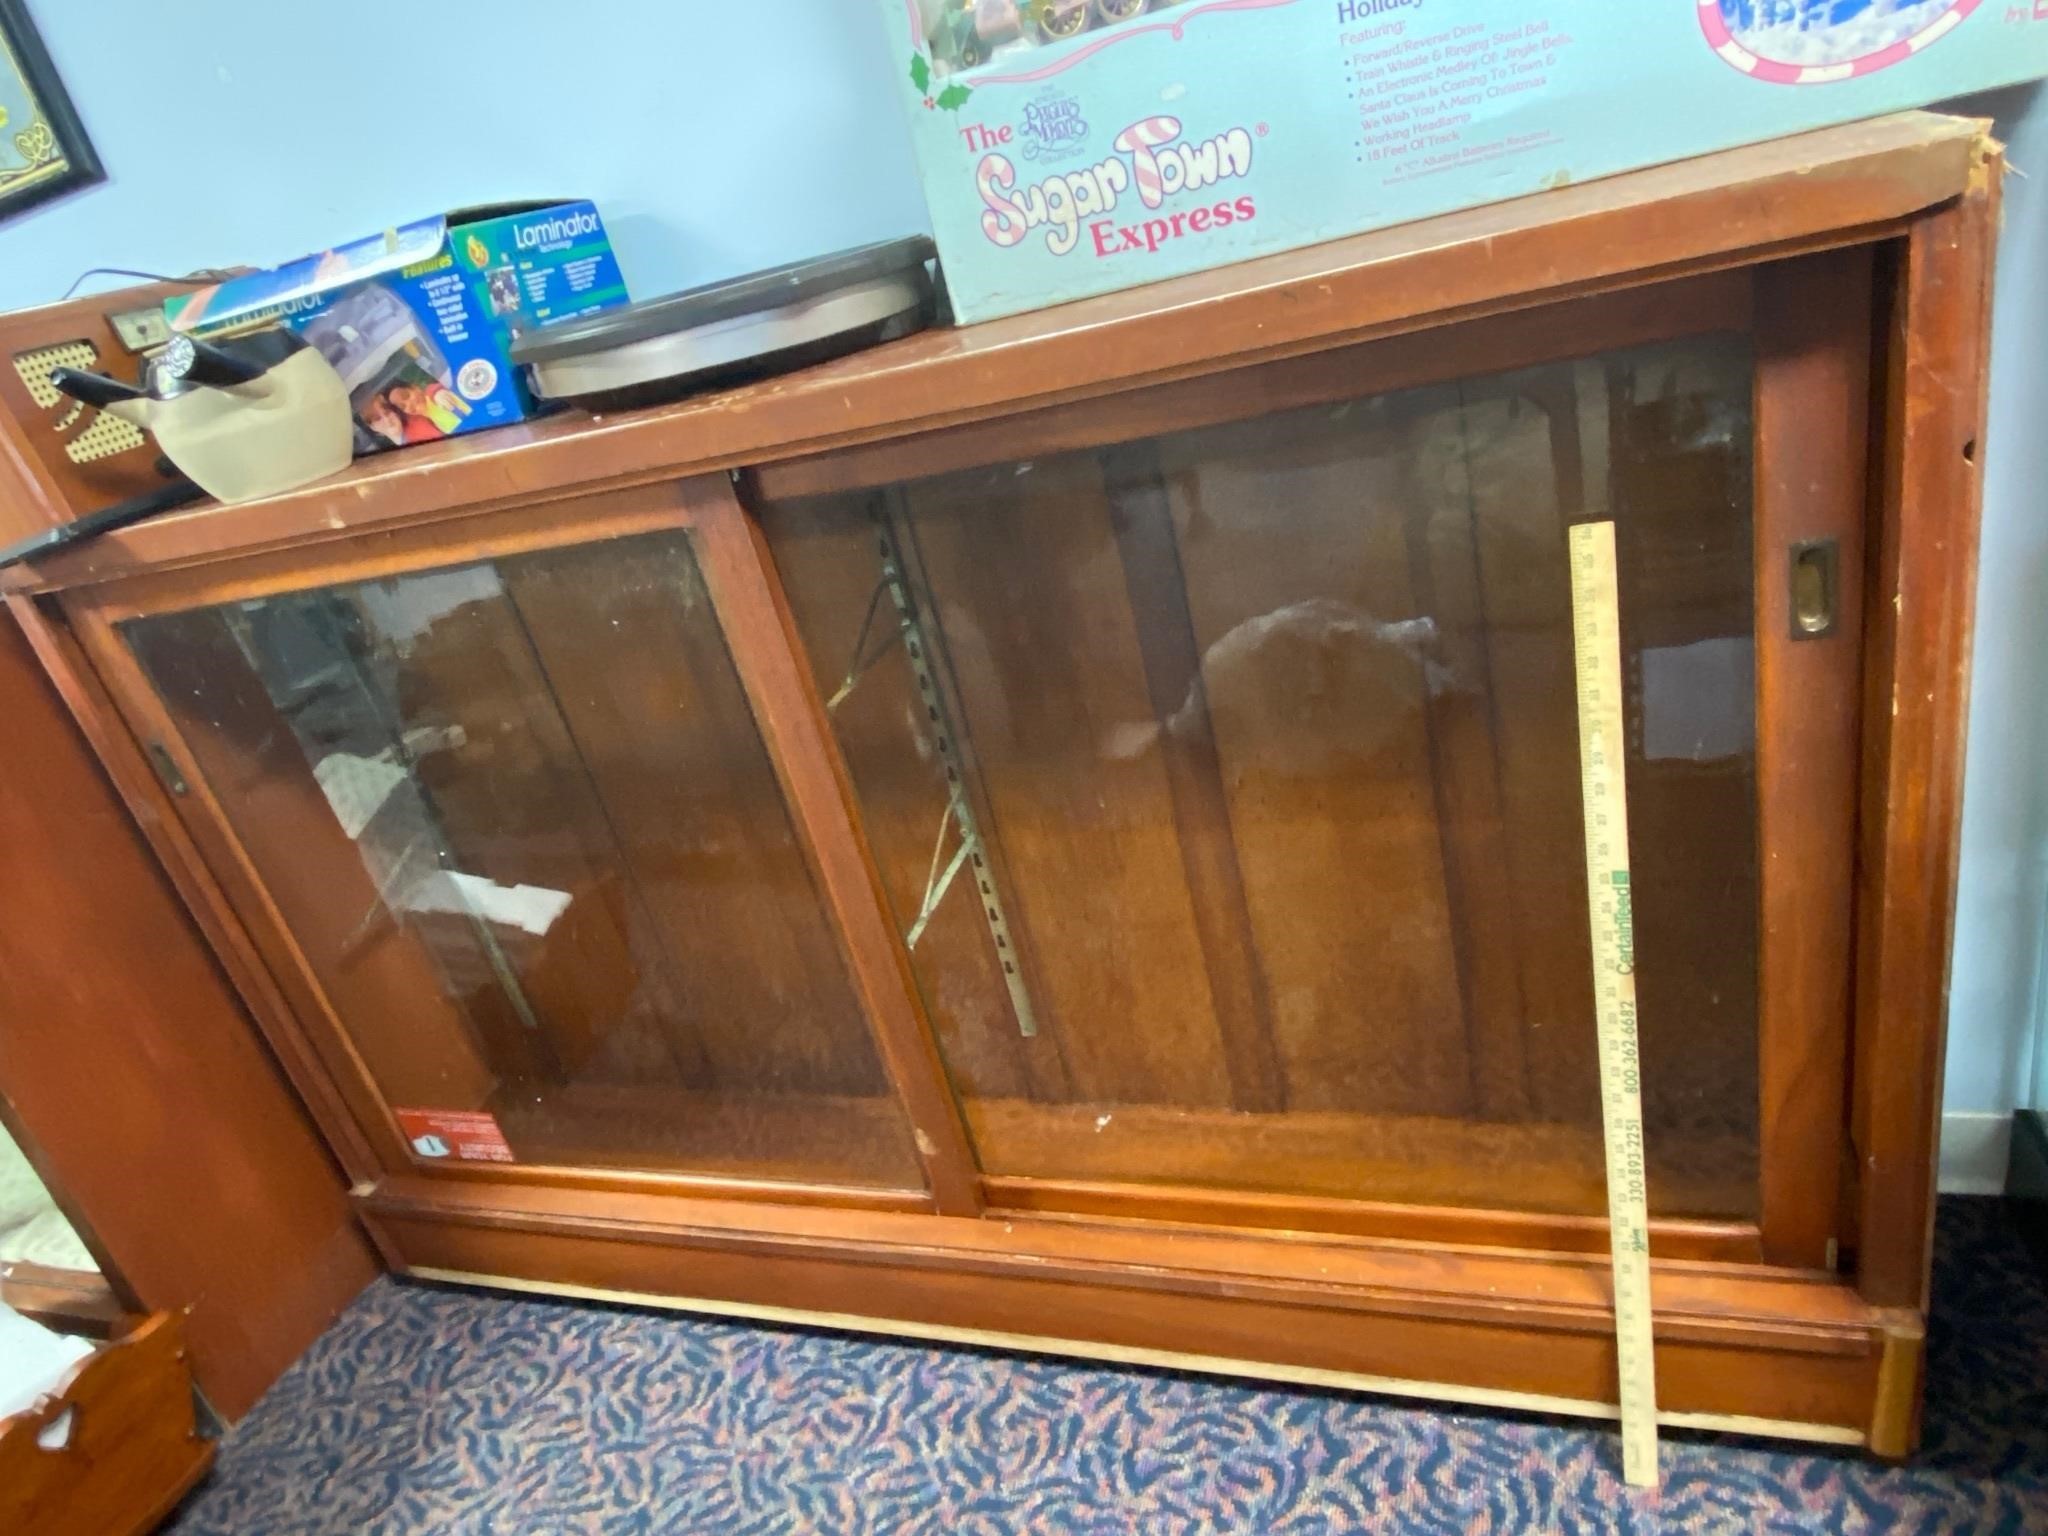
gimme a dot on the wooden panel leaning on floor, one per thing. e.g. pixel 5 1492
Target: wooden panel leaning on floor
pixel 129 1070
pixel 1152 1147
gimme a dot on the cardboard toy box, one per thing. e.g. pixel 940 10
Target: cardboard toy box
pixel 1074 147
pixel 419 320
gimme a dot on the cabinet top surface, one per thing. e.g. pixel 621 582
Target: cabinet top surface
pixel 1855 182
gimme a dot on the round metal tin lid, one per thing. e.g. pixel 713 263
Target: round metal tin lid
pixel 696 307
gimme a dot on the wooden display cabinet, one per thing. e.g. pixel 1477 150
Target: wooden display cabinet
pixel 1068 833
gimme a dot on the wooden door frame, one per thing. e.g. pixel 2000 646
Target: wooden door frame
pixel 747 592
pixel 297 1007
pixel 1813 391
pixel 1918 629
pixel 1809 323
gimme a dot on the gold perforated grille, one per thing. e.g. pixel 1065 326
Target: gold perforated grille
pixel 107 435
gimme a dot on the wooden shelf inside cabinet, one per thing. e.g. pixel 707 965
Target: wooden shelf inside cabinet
pixel 1067 833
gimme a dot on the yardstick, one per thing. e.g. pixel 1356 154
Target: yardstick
pixel 1603 764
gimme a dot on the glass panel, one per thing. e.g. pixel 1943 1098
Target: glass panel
pixel 1267 765
pixel 519 819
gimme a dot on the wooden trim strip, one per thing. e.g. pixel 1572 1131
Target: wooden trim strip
pixel 1474 349
pixel 1812 433
pixel 70 1301
pixel 1920 619
pixel 1309 1216
pixel 480 536
pixel 766 649
pixel 1901 1384
pixel 1155 1359
pixel 689 1186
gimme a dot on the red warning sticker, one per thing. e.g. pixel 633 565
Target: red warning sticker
pixel 454 1135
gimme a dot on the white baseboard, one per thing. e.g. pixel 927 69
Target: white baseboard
pixel 1974 1148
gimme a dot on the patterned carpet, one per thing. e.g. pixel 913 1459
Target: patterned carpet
pixel 429 1410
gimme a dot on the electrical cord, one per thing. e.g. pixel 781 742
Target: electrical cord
pixel 196 279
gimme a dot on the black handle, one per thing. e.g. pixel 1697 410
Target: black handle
pixel 94 388
pixel 163 498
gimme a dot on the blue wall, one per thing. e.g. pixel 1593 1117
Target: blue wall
pixel 1995 1003
pixel 717 140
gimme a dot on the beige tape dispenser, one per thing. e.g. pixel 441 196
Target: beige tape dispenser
pixel 243 419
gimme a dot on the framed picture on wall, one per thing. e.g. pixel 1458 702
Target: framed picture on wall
pixel 43 148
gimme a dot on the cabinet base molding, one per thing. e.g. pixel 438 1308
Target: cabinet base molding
pixel 1149 1359
pixel 1784 1354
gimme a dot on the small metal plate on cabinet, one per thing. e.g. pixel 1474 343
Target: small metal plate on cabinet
pixel 168 770
pixel 1816 584
pixel 141 330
